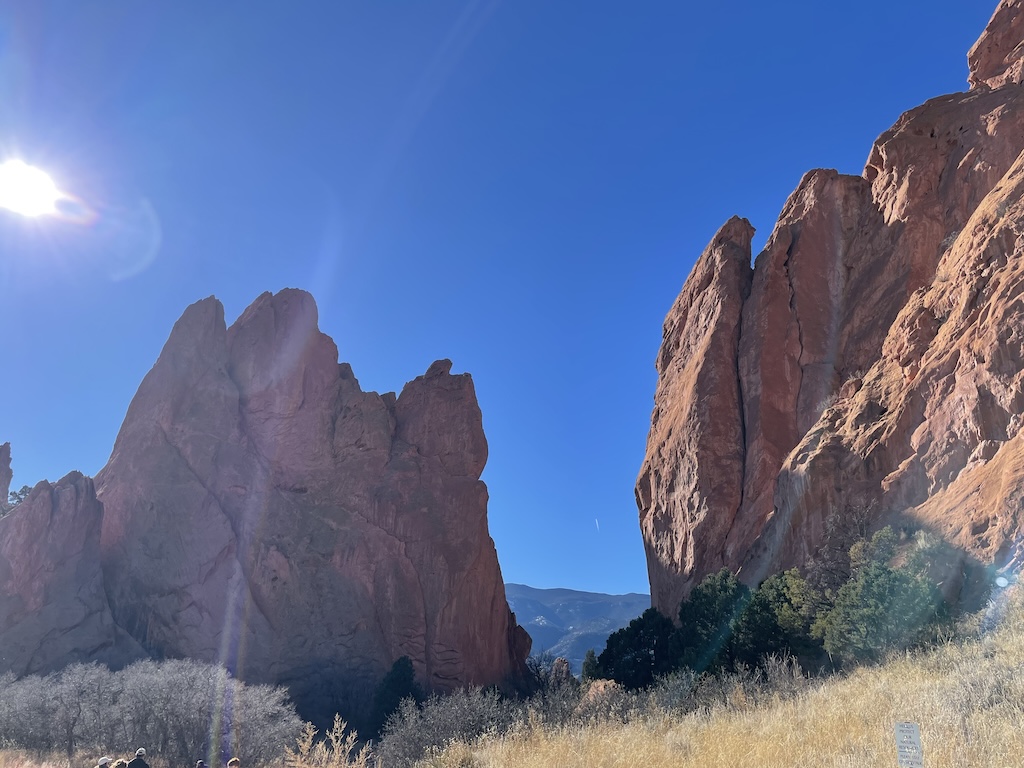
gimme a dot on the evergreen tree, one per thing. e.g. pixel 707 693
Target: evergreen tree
pixel 591 669
pixel 707 620
pixel 635 655
pixel 775 621
pixel 881 607
pixel 398 684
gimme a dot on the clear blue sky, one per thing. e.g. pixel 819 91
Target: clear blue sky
pixel 521 186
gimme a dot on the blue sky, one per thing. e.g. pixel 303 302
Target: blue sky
pixel 520 186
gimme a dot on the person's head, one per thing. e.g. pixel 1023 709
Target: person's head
pixel 200 764
pixel 140 752
pixel 103 761
pixel 234 762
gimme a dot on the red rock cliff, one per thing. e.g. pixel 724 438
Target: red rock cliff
pixel 261 510
pixel 53 609
pixel 876 362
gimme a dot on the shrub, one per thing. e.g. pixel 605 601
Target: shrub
pixel 775 622
pixel 337 748
pixel 638 653
pixel 178 710
pixel 708 619
pixel 881 609
pixel 399 683
pixel 464 715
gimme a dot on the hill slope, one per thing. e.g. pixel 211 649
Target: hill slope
pixel 566 623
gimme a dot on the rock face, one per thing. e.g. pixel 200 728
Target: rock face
pixel 870 361
pixel 53 610
pixel 5 472
pixel 261 510
pixel 996 59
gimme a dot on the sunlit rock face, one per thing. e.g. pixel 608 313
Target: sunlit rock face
pixel 261 510
pixel 878 355
pixel 53 609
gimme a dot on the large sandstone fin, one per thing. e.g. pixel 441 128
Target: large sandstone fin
pixel 872 372
pixel 697 422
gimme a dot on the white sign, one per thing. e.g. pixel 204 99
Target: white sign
pixel 908 746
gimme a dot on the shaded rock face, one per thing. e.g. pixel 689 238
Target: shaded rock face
pixel 262 511
pixel 877 356
pixel 5 472
pixel 53 609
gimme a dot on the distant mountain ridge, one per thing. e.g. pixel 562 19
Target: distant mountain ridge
pixel 566 622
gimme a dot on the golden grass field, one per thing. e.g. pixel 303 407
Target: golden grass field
pixel 968 700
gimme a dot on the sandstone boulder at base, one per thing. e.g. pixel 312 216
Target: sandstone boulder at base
pixel 877 364
pixel 262 511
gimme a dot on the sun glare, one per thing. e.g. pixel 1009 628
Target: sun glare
pixel 27 190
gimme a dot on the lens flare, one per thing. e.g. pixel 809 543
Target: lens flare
pixel 27 190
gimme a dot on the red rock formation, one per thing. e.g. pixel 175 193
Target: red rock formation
pixel 693 472
pixel 856 389
pixel 5 472
pixel 263 511
pixel 996 59
pixel 53 610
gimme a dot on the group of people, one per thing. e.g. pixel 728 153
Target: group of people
pixel 139 761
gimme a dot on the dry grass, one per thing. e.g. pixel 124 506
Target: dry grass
pixel 21 758
pixel 968 700
pixel 339 747
pixel 12 758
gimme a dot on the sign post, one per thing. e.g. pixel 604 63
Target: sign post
pixel 908 746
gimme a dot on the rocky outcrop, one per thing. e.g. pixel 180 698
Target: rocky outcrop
pixel 53 609
pixel 693 471
pixel 997 58
pixel 261 510
pixel 5 473
pixel 875 360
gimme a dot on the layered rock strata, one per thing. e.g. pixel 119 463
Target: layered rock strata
pixel 876 359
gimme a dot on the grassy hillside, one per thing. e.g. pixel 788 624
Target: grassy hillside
pixel 967 696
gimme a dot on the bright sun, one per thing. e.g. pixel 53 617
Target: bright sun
pixel 27 190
